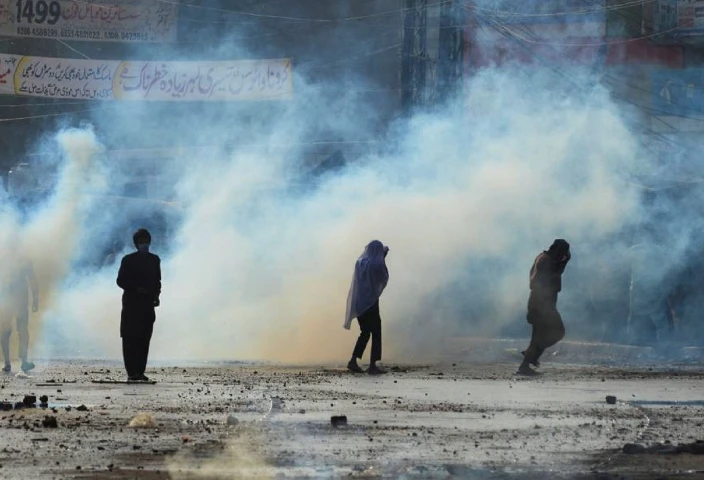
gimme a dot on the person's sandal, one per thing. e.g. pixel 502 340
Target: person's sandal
pixel 535 363
pixel 353 367
pixel 376 371
pixel 527 371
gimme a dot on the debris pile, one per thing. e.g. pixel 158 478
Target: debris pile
pixel 29 401
pixel 50 422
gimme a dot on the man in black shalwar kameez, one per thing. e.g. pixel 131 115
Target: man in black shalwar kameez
pixel 140 278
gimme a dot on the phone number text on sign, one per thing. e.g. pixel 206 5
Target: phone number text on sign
pixel 45 12
pixel 97 20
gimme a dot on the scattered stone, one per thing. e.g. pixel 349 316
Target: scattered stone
pixel 44 399
pixel 232 420
pixel 338 420
pixel 610 399
pixel 50 422
pixel 29 400
pixel 82 408
pixel 142 420
pixel 5 406
pixel 302 411
pixel 19 405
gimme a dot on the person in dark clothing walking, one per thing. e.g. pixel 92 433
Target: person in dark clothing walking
pixel 368 282
pixel 140 278
pixel 545 284
pixel 18 278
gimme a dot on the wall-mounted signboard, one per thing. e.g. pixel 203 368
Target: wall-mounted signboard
pixel 94 21
pixel 681 17
pixel 235 80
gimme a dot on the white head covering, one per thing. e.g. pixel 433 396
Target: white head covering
pixel 369 281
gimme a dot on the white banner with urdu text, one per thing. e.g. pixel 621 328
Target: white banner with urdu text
pixel 235 80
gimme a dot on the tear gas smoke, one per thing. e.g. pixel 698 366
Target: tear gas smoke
pixel 465 196
pixel 50 237
pixel 241 457
pixel 465 200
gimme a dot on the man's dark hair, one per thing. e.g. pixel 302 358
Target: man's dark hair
pixel 559 246
pixel 141 234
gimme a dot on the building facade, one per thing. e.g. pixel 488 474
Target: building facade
pixel 342 48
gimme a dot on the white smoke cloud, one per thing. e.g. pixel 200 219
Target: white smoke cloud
pixel 50 236
pixel 467 200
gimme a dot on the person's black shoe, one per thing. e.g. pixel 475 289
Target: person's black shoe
pixel 353 367
pixel 143 378
pixel 374 370
pixel 27 366
pixel 535 363
pixel 7 368
pixel 525 369
pixel 133 378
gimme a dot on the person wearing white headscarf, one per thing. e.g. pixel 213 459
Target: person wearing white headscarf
pixel 368 283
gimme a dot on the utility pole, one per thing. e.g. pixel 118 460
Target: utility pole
pixel 453 19
pixel 414 54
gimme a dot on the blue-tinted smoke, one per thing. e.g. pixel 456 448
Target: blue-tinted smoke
pixel 258 254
